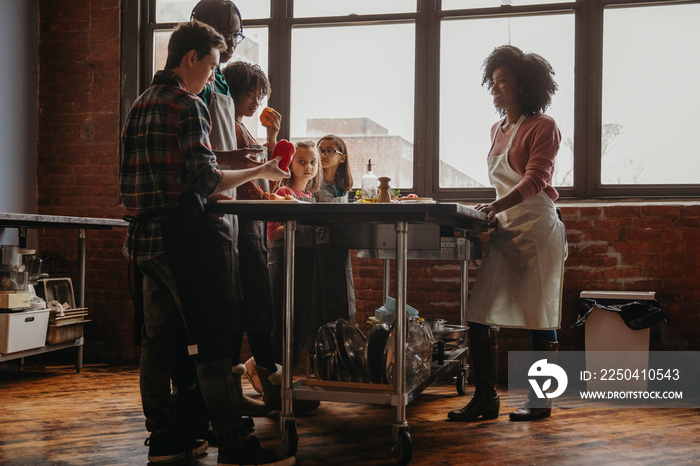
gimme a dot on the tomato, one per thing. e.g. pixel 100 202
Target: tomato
pixel 412 196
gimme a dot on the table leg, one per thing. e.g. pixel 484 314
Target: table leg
pixel 81 268
pixel 386 284
pixel 81 292
pixel 288 321
pixel 464 293
pixel 401 322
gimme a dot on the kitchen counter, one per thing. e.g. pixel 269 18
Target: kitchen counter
pixel 22 222
pixel 13 220
pixel 359 222
pixel 445 214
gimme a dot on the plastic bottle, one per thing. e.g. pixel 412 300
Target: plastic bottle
pixel 370 188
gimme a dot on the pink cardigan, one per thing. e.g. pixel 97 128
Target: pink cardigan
pixel 532 153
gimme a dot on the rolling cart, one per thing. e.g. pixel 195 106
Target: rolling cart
pixel 382 231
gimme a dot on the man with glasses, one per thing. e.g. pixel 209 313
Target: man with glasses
pixel 224 17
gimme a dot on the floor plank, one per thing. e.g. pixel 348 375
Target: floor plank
pixel 55 416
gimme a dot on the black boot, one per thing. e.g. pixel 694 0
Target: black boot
pixel 485 403
pixel 533 409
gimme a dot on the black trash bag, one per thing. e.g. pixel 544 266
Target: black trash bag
pixel 637 314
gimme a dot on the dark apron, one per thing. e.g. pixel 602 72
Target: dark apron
pixel 201 261
pixel 254 276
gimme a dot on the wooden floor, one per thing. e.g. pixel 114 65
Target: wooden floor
pixel 55 416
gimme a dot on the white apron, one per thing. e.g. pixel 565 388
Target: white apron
pixel 223 122
pixel 521 276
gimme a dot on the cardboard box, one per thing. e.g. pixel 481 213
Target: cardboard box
pixel 14 300
pixel 23 330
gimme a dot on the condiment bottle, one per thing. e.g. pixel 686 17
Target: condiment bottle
pixel 384 194
pixel 369 183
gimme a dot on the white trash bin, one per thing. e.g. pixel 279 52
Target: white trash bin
pixel 605 332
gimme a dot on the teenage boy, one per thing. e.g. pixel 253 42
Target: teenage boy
pixel 167 170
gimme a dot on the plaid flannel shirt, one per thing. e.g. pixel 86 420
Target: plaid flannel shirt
pixel 165 152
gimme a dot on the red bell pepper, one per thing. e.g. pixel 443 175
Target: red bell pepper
pixel 285 150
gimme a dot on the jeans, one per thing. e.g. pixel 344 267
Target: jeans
pixel 164 353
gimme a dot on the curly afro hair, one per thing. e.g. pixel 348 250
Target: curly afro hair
pixel 243 78
pixel 533 74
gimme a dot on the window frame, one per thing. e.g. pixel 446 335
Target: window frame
pixel 139 24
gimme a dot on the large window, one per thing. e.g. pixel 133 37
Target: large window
pixel 357 82
pixel 466 109
pixel 253 49
pixel 400 80
pixel 650 66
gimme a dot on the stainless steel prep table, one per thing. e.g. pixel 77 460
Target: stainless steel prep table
pixel 23 222
pixel 363 218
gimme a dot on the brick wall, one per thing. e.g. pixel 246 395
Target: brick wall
pixel 78 156
pixel 613 247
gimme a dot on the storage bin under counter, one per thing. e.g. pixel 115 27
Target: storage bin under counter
pixel 23 330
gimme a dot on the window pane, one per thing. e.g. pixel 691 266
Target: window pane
pixel 160 49
pixel 253 49
pixel 174 11
pixel 357 83
pixel 177 11
pixel 466 108
pixel 466 4
pixel 306 8
pixel 650 68
pixel 253 9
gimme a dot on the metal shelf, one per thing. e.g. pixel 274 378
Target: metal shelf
pixel 383 395
pixel 34 221
pixel 77 343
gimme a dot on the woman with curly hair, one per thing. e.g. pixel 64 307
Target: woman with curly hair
pixel 520 280
pixel 248 85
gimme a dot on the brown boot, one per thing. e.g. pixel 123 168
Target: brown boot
pixel 485 404
pixel 272 392
pixel 534 408
pixel 249 406
pixel 252 375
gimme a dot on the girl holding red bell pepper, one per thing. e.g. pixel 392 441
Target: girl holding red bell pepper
pixel 305 180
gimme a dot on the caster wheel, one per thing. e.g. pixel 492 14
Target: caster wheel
pixel 461 382
pixel 290 440
pixel 403 449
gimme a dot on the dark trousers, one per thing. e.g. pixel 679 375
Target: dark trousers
pixel 164 353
